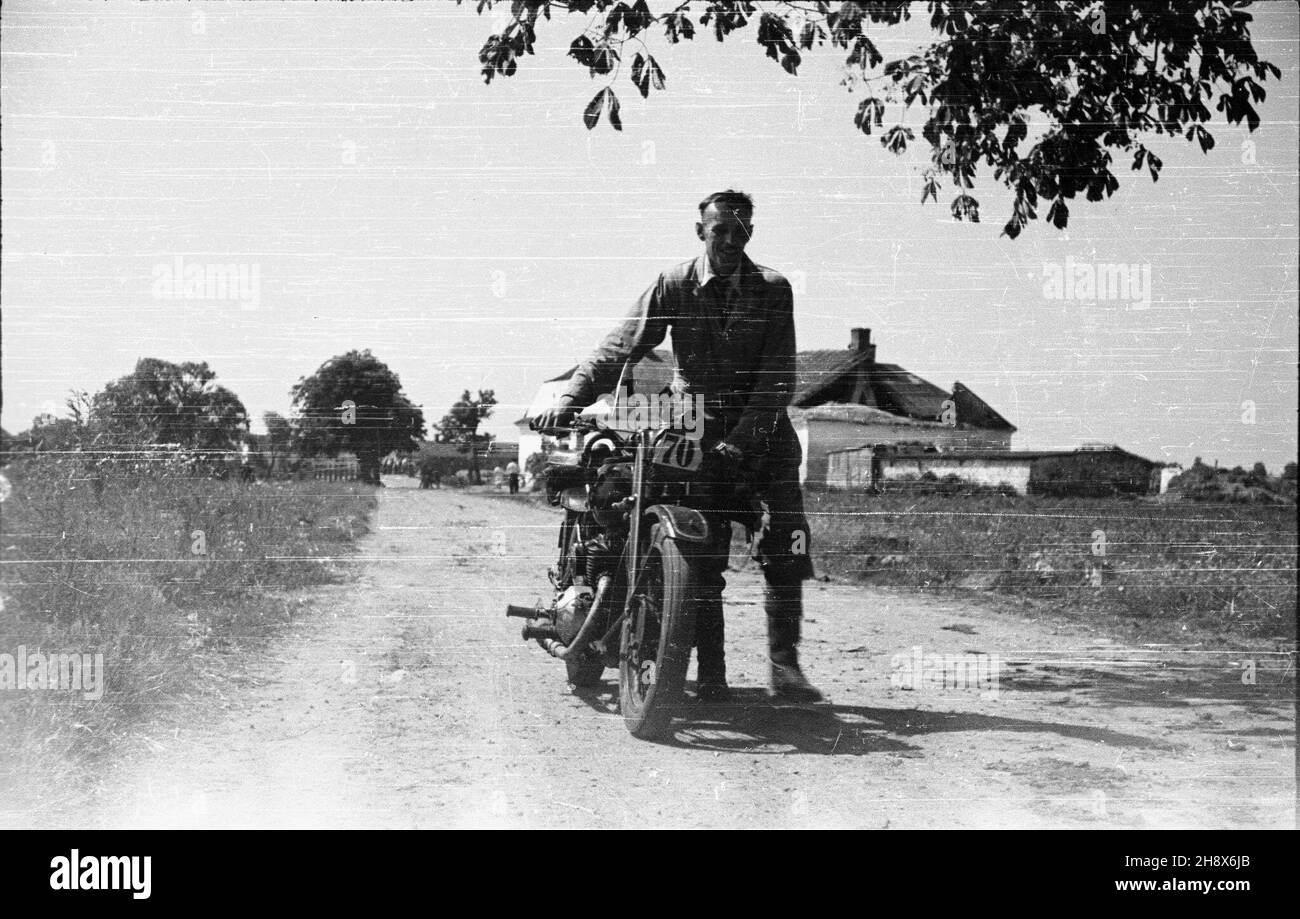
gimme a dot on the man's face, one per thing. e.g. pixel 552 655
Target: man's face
pixel 725 233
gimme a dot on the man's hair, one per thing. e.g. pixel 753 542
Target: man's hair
pixel 731 199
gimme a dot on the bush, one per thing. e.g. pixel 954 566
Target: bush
pixel 1236 485
pixel 441 460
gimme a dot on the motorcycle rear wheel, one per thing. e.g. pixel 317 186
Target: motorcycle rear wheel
pixel 658 633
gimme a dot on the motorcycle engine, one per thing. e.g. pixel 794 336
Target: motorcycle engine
pixel 571 611
pixel 613 484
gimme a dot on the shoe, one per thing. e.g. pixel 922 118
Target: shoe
pixel 790 685
pixel 712 693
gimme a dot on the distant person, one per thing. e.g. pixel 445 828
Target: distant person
pixel 512 476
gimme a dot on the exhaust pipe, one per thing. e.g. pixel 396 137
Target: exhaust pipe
pixel 539 629
pixel 558 649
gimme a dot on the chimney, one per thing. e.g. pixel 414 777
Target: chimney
pixel 860 340
pixel 860 343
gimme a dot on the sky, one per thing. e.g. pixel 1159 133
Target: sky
pixel 375 193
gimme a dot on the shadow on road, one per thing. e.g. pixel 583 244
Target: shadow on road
pixel 754 723
pixel 1157 683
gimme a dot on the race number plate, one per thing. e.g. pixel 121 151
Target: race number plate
pixel 678 452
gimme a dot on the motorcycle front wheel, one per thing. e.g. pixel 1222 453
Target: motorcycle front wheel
pixel 656 641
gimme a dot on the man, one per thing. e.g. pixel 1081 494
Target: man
pixel 512 474
pixel 733 339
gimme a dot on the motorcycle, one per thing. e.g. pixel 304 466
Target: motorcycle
pixel 640 511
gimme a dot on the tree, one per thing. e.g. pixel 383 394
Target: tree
pixel 460 425
pixel 74 434
pixel 1088 79
pixel 54 435
pixel 279 438
pixel 355 402
pixel 165 403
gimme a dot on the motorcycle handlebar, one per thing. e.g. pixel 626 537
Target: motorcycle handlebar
pixel 578 424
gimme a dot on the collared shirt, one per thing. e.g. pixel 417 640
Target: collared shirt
pixel 732 281
pixel 727 285
pixel 743 364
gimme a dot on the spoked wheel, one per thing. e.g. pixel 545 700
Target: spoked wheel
pixel 656 642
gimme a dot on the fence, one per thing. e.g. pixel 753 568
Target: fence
pixel 335 470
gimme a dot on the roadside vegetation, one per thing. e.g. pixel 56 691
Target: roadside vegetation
pixel 1183 571
pixel 141 527
pixel 162 572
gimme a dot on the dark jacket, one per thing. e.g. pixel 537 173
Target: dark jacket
pixel 745 367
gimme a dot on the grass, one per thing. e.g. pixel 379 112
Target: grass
pixel 1220 573
pixel 157 572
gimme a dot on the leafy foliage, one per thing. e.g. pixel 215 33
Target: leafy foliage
pixel 460 424
pixel 1200 482
pixel 165 403
pixel 355 402
pixel 1090 80
pixel 438 461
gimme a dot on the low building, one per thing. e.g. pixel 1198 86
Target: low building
pixel 1094 471
pixel 826 430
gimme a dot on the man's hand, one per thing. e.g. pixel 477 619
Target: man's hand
pixel 723 463
pixel 559 416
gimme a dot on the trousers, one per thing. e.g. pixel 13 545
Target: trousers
pixel 782 548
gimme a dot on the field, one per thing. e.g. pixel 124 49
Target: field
pixel 1221 573
pixel 162 574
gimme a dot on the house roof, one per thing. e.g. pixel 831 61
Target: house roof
pixel 849 378
pixel 820 376
pixel 974 411
pixel 903 393
pixel 861 414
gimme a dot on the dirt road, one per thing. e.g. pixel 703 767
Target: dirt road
pixel 406 699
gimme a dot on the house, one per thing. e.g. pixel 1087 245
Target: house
pixel 1097 470
pixel 846 400
pixel 843 400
